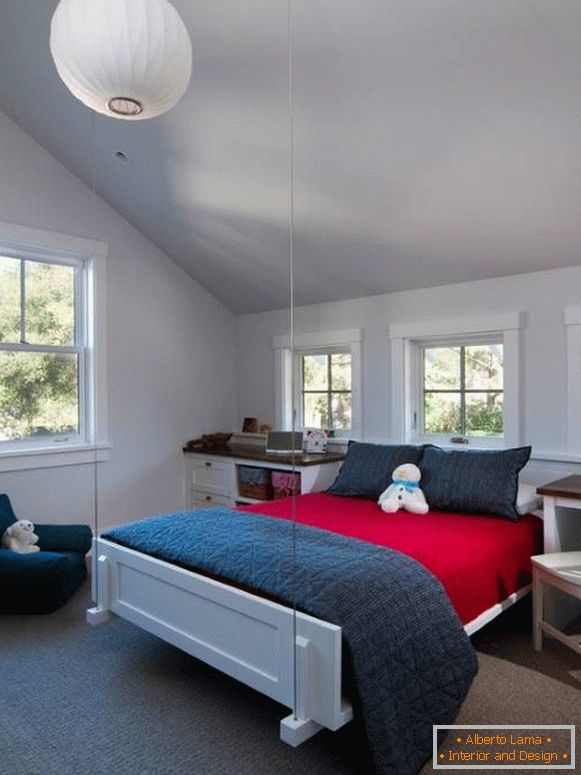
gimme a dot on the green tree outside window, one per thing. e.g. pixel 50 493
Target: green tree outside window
pixel 463 390
pixel 326 390
pixel 39 362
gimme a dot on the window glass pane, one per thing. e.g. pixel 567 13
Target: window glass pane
pixel 316 410
pixel 483 367
pixel 9 300
pixel 315 373
pixel 50 303
pixel 341 411
pixel 341 371
pixel 442 368
pixel 442 413
pixel 484 414
pixel 39 395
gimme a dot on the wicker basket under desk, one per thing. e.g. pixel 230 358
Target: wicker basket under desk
pixel 254 483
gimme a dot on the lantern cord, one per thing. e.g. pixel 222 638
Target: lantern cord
pixel 291 228
pixel 93 424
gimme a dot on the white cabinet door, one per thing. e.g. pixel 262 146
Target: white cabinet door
pixel 210 476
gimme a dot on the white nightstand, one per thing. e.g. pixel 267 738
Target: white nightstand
pixel 561 570
pixel 562 494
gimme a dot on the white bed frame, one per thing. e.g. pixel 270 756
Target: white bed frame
pixel 250 638
pixel 246 636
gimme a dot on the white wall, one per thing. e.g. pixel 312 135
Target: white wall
pixel 540 296
pixel 170 347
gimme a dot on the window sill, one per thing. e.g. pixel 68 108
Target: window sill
pixel 556 457
pixel 473 443
pixel 49 457
pixel 338 445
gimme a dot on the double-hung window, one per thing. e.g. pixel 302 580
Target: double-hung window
pixel 318 382
pixel 456 381
pixel 325 390
pixel 462 388
pixel 52 366
pixel 42 351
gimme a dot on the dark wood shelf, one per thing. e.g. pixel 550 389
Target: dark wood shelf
pixel 568 487
pixel 251 452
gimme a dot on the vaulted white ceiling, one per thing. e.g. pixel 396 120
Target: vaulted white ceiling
pixel 436 141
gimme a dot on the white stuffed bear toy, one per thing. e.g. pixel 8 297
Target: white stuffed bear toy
pixel 404 492
pixel 21 538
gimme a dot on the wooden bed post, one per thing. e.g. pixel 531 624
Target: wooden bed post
pixel 298 727
pixel 100 587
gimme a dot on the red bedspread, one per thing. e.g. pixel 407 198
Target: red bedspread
pixel 479 560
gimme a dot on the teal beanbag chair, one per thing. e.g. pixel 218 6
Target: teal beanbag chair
pixel 44 581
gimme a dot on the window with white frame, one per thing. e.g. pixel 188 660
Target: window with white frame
pixel 325 395
pixel 456 381
pixel 319 377
pixel 51 338
pixel 461 388
pixel 42 351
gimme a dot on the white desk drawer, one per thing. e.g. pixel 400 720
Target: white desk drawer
pixel 200 501
pixel 210 476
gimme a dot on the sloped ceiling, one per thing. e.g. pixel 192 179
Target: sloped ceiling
pixel 436 141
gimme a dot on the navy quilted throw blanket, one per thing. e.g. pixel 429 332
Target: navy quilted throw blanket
pixel 412 661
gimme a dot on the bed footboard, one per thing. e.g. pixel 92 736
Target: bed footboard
pixel 245 636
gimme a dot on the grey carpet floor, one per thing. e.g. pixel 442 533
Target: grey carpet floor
pixel 113 700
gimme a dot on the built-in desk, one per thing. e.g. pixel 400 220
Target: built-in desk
pixel 213 477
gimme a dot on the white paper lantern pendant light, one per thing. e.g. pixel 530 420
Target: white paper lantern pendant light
pixel 125 106
pixel 128 59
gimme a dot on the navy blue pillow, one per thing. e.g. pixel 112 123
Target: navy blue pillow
pixel 367 469
pixel 473 481
pixel 7 516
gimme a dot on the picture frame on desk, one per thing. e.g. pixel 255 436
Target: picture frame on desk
pixel 250 425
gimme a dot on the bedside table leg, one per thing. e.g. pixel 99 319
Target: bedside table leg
pixel 538 594
pixel 552 539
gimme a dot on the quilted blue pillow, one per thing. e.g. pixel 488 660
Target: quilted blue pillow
pixel 367 469
pixel 473 481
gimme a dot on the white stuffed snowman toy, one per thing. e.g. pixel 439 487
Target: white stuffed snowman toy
pixel 20 537
pixel 404 492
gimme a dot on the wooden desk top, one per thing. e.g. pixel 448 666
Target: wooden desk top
pixel 250 452
pixel 568 487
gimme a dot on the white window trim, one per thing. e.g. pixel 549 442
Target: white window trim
pixel 284 349
pixel 23 240
pixel 573 327
pixel 404 336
